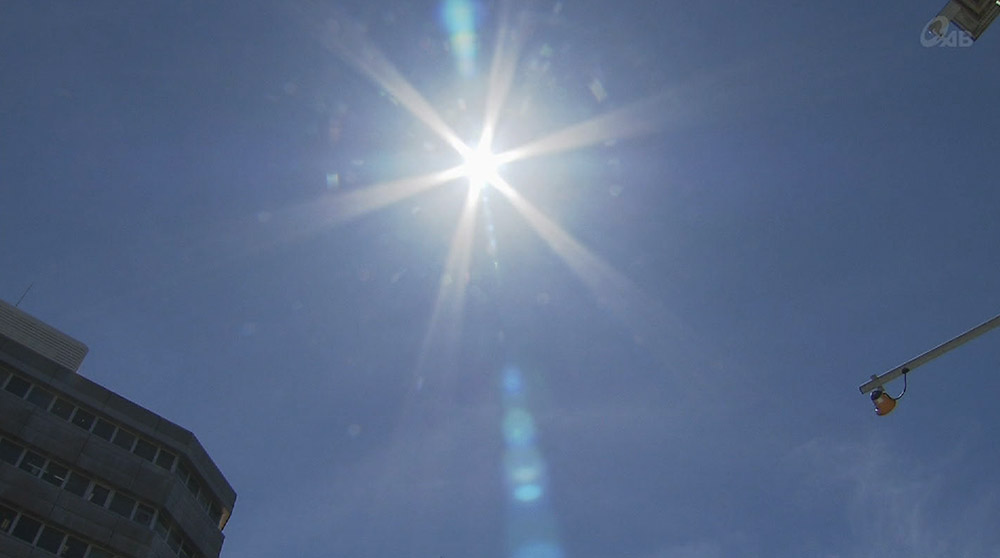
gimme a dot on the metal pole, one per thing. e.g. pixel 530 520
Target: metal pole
pixel 930 355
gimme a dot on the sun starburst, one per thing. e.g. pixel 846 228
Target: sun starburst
pixel 480 166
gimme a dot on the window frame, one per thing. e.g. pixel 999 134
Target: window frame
pixel 7 518
pixel 124 439
pixel 104 429
pixel 43 400
pixel 73 544
pixel 73 481
pixel 20 383
pixel 48 473
pixel 82 416
pixel 36 469
pixel 11 444
pixel 47 529
pixel 140 449
pixel 24 520
pixel 122 504
pixel 57 406
pixel 100 492
pixel 170 456
pixel 142 510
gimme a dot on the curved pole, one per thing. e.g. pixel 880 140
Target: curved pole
pixel 930 355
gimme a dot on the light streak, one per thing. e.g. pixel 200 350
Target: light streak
pixel 642 117
pixel 348 206
pixel 349 41
pixel 611 289
pixel 444 327
pixel 506 54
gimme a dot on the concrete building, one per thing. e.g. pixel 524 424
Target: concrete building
pixel 86 473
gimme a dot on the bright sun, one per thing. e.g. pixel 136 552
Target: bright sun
pixel 480 166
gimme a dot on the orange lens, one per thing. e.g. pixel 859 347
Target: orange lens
pixel 884 404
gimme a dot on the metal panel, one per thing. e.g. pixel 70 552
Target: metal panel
pixel 41 338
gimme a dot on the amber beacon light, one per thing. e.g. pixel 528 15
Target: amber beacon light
pixel 885 403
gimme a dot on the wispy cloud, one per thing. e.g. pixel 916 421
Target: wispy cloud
pixel 898 506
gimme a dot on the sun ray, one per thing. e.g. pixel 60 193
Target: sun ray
pixel 351 205
pixel 444 327
pixel 308 218
pixel 643 117
pixel 612 290
pixel 348 40
pixel 506 54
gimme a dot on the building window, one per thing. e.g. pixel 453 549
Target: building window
pixel 26 529
pixel 77 484
pixel 51 539
pixel 17 386
pixel 10 452
pixel 40 397
pixel 122 505
pixel 104 429
pixel 143 515
pixel 55 474
pixel 165 459
pixel 73 548
pixel 183 473
pixel 215 512
pixel 62 409
pixel 47 537
pixel 144 449
pixel 58 475
pixel 124 439
pixel 7 516
pixel 99 495
pixel 83 419
pixel 161 527
pixel 33 463
pixel 193 485
pixel 58 542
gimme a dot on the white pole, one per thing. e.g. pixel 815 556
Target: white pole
pixel 930 355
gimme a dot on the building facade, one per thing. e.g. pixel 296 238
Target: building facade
pixel 86 473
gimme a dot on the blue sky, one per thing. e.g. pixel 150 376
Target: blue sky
pixel 810 201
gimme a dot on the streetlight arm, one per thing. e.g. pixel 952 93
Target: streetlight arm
pixel 930 355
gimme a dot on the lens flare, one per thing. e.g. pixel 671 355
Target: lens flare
pixel 460 21
pixel 532 532
pixel 518 427
pixel 528 492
